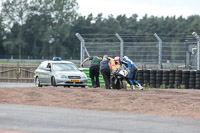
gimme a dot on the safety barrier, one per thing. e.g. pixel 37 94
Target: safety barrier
pixel 151 78
pixel 89 83
pixel 184 79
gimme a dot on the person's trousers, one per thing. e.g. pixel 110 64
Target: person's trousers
pixel 106 76
pixel 94 75
pixel 132 76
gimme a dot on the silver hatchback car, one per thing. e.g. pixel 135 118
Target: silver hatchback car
pixel 59 73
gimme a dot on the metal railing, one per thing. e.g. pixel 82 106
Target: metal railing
pixel 157 52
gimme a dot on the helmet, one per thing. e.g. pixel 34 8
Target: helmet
pixel 116 59
pixel 105 57
pixel 125 57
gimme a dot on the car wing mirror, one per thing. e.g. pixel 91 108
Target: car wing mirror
pixel 48 69
pixel 81 69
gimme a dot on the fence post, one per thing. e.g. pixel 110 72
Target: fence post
pixel 198 49
pixel 121 45
pixel 83 48
pixel 160 51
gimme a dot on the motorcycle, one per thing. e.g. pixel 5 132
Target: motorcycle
pixel 119 77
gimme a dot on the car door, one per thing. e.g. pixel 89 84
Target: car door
pixel 48 74
pixel 42 73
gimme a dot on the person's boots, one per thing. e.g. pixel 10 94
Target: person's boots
pixel 133 87
pixel 97 83
pixel 139 86
pixel 93 83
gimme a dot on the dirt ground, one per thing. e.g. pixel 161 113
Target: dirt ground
pixel 161 102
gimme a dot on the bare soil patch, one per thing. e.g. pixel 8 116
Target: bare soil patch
pixel 161 102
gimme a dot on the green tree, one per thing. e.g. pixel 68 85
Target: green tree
pixel 61 14
pixel 2 36
pixel 37 27
pixel 15 12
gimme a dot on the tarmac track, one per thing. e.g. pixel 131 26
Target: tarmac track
pixel 13 85
pixel 37 119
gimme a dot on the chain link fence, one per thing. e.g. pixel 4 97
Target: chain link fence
pixel 174 54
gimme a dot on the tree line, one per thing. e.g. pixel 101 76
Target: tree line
pixel 47 28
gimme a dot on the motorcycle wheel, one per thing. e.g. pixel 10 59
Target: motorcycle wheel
pixel 124 84
pixel 115 85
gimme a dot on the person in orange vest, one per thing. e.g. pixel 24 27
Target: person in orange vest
pixel 114 63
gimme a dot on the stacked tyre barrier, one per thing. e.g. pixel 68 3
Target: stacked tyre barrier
pixel 153 78
pixel 165 80
pixel 159 75
pixel 172 78
pixel 146 76
pixel 197 84
pixel 192 80
pixel 183 79
pixel 140 78
pixel 178 79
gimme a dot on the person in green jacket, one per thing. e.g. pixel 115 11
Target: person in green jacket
pixel 94 69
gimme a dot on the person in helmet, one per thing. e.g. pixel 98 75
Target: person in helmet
pixel 133 72
pixel 114 63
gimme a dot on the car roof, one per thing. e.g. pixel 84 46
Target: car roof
pixel 50 61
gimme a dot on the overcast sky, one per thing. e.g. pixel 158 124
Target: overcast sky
pixel 140 7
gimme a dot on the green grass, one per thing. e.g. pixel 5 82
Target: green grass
pixel 21 64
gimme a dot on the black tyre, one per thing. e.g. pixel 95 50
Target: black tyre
pixel 115 85
pixel 53 82
pixel 152 72
pixel 159 75
pixel 197 75
pixel 198 72
pixel 192 76
pixel 158 85
pixel 192 82
pixel 197 86
pixel 171 78
pixel 197 79
pixel 152 78
pixel 152 82
pixel 37 82
pixel 171 81
pixel 153 85
pixel 185 76
pixel 186 72
pixel 191 86
pixel 165 78
pixel 192 72
pixel 124 84
pixel 159 71
pixel 178 79
pixel 140 78
pixel 178 72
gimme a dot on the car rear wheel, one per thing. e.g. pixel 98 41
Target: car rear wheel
pixel 37 82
